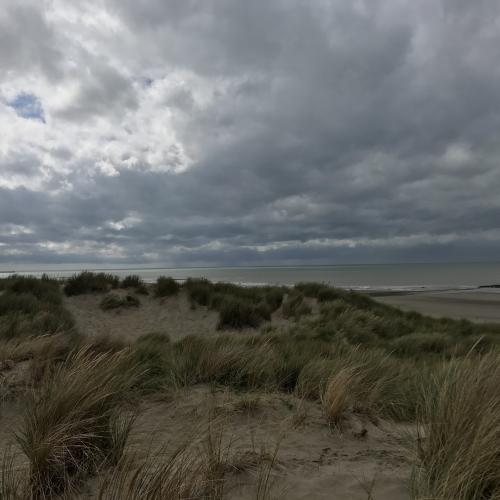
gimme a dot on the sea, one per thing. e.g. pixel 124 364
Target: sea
pixel 362 277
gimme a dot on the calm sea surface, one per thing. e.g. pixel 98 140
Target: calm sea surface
pixel 385 277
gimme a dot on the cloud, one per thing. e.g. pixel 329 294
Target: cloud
pixel 191 132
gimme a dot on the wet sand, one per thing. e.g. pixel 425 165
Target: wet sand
pixel 480 305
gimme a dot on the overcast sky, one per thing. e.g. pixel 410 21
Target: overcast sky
pixel 212 132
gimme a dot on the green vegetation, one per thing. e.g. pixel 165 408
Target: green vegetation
pixel 166 287
pixel 30 306
pixel 86 282
pixel 238 307
pixel 135 282
pixel 346 353
pixel 131 281
pixel 115 301
pixel 239 314
pixel 69 425
pixel 295 306
pixel 460 432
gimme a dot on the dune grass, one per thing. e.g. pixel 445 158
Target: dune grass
pixel 352 356
pixel 114 301
pixel 69 422
pixel 31 306
pixel 459 431
pixel 88 282
pixel 166 287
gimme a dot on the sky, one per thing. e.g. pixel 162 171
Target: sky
pixel 263 132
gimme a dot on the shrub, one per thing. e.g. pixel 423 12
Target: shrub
pixel 142 289
pixel 25 303
pixel 31 306
pixel 44 288
pixel 328 295
pixel 295 306
pixel 166 287
pixel 86 282
pixel 199 291
pixel 311 289
pixel 114 301
pixel 274 297
pixel 131 281
pixel 238 314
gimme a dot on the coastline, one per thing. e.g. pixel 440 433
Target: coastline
pixel 481 305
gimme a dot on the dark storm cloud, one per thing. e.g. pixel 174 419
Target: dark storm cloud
pixel 316 131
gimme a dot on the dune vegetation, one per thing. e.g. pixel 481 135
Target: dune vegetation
pixel 342 352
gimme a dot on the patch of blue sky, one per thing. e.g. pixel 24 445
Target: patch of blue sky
pixel 28 106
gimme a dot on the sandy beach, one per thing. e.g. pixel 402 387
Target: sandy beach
pixel 481 305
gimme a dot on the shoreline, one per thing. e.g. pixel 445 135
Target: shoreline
pixel 480 305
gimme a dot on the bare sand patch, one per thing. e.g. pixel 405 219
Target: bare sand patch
pixel 313 460
pixel 173 316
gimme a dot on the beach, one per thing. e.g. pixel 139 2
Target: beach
pixel 479 305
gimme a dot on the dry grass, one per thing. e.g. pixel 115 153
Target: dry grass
pixel 68 425
pixel 459 432
pixel 162 476
pixel 337 397
pixel 194 470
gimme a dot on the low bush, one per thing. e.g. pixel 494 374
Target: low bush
pixel 115 301
pixel 239 314
pixel 274 297
pixel 199 291
pixel 295 306
pixel 311 289
pixel 166 287
pixel 44 288
pixel 131 281
pixel 86 282
pixel 328 295
pixel 31 306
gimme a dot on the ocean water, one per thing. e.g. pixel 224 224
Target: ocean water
pixel 357 277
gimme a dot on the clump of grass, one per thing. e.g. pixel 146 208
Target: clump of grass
pixel 421 343
pixel 166 287
pixel 44 288
pixel 248 403
pixel 30 306
pixel 152 354
pixel 295 306
pixel 239 314
pixel 274 297
pixel 66 428
pixel 225 360
pixel 115 301
pixel 459 427
pixel 199 291
pixel 131 281
pixel 169 476
pixel 311 289
pixel 337 395
pixel 328 295
pixel 86 282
